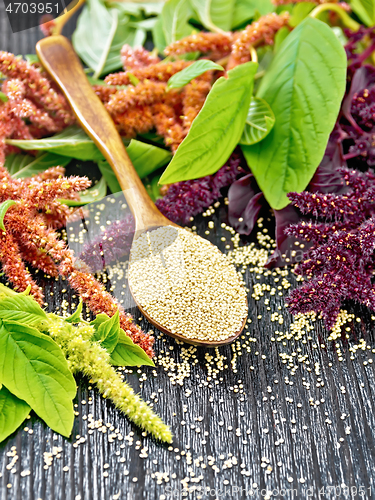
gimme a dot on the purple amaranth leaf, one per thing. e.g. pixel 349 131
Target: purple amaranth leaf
pixel 328 178
pixel 363 78
pixel 287 251
pixel 245 203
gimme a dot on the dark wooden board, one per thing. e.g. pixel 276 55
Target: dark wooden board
pixel 276 421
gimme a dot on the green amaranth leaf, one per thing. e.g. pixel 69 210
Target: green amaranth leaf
pixel 3 97
pixel 365 10
pixel 146 158
pixel 215 15
pixel 152 138
pixel 136 9
pixel 31 58
pixel 126 33
pixel 221 13
pixel 216 130
pixel 20 165
pixel 259 122
pixel 174 20
pixel 21 308
pixel 280 37
pixel 99 319
pixel 158 36
pixel 4 207
pixel 300 12
pixel 94 34
pixel 96 193
pixel 16 162
pixel 33 368
pixel 304 87
pixel 76 316
pixel 109 175
pixel 244 10
pixel 13 412
pixel 107 332
pixel 102 31
pixel 197 68
pixel 151 184
pixel 265 57
pixel 72 142
pixel 126 353
pixel 146 24
pixel 5 291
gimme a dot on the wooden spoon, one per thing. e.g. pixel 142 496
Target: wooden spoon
pixel 59 59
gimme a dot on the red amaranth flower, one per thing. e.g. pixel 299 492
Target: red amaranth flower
pixel 38 88
pixel 14 267
pixel 145 93
pixel 100 301
pixel 47 24
pixel 28 236
pixel 219 43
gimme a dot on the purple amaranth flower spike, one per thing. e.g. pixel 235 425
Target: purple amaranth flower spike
pixel 340 263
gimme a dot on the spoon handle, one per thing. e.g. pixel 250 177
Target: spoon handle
pixel 60 60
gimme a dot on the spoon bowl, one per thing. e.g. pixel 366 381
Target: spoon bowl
pixel 196 342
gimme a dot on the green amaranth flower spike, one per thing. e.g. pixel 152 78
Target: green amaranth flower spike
pixel 84 355
pixel 90 358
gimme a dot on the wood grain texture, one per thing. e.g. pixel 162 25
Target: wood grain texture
pixel 278 423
